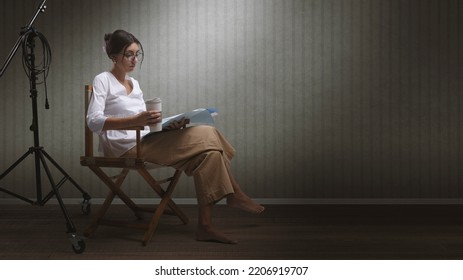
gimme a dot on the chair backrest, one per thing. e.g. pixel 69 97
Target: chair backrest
pixel 88 132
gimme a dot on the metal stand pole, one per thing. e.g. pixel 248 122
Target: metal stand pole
pixel 40 156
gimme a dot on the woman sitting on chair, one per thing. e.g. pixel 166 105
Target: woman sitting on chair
pixel 200 151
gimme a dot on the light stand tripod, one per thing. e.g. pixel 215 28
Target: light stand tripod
pixel 27 40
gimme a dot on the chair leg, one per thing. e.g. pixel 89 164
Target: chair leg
pixel 101 212
pixel 158 189
pixel 165 200
pixel 172 205
pixel 153 224
pixel 114 187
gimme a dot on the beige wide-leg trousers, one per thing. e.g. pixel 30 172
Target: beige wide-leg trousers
pixel 199 151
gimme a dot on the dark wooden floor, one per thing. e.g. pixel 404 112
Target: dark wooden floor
pixel 283 232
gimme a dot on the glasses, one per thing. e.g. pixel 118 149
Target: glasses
pixel 131 56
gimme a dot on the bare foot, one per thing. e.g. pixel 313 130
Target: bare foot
pixel 211 234
pixel 241 201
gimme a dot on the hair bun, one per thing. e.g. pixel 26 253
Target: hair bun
pixel 107 37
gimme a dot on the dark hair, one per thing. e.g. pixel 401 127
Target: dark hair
pixel 118 41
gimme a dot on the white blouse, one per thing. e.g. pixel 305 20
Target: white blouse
pixel 110 99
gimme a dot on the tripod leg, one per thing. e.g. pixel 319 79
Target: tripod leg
pixel 16 163
pixel 70 224
pixel 78 244
pixel 85 205
pixel 85 194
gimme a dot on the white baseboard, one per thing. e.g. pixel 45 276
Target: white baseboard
pixel 271 201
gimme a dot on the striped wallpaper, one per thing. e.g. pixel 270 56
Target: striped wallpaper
pixel 353 99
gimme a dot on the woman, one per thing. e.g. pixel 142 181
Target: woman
pixel 200 151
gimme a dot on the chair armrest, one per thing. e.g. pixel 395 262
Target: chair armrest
pixel 133 128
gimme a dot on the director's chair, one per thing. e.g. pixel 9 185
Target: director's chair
pixel 114 183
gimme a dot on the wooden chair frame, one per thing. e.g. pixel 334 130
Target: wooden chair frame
pixel 114 183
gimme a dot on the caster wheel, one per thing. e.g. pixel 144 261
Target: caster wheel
pixel 79 248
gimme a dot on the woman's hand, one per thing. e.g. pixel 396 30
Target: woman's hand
pixel 177 124
pixel 147 118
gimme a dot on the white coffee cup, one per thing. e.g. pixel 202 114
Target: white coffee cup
pixel 154 105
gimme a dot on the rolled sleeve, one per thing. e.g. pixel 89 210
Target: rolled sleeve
pixel 95 114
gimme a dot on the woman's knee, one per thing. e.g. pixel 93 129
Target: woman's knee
pixel 205 161
pixel 204 130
